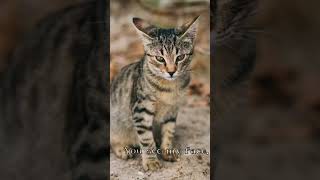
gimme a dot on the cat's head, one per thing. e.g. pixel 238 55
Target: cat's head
pixel 168 51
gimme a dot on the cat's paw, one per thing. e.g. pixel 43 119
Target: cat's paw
pixel 121 153
pixel 170 156
pixel 152 164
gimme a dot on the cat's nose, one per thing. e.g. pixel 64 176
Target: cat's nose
pixel 171 69
pixel 171 73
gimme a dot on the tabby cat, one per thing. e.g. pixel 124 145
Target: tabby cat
pixel 53 99
pixel 146 95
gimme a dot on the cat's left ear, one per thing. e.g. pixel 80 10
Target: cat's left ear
pixel 189 30
pixel 144 29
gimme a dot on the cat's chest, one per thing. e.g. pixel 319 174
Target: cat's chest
pixel 169 98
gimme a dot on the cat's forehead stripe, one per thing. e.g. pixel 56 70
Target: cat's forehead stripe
pixel 168 38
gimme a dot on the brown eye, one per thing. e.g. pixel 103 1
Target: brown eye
pixel 180 58
pixel 160 59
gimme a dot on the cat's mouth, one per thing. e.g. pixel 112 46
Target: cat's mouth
pixel 170 78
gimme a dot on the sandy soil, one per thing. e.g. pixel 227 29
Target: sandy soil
pixel 193 130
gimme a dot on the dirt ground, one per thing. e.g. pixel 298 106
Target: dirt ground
pixel 193 130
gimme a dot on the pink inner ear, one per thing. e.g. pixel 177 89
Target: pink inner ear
pixel 141 24
pixel 138 23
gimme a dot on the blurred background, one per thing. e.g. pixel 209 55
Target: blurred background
pixel 17 17
pixel 267 124
pixel 193 123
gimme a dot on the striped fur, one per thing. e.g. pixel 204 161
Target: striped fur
pixel 53 110
pixel 147 94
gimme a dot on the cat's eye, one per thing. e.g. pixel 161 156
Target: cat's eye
pixel 180 58
pixel 160 59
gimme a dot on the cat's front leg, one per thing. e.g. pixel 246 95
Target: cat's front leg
pixel 167 135
pixel 143 116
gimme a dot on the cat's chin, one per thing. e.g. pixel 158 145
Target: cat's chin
pixel 170 78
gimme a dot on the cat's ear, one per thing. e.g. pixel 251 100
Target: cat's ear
pixel 143 28
pixel 189 30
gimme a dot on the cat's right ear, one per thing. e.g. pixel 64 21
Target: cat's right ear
pixel 143 28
